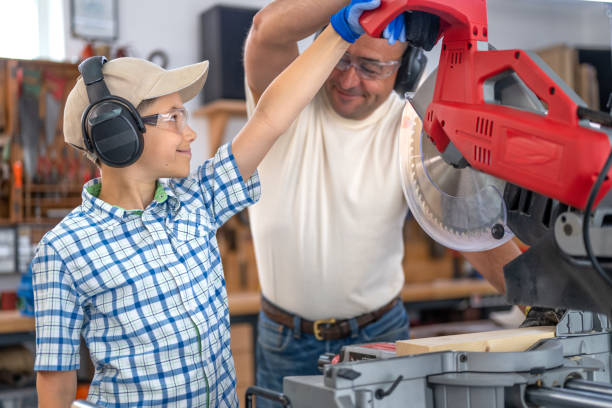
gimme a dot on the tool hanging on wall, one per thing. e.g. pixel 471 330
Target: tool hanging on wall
pixel 17 193
pixel 29 120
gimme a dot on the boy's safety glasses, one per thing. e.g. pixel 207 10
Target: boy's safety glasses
pixel 367 68
pixel 175 119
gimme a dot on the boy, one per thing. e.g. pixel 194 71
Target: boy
pixel 135 268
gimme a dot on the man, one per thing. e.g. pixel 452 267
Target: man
pixel 328 229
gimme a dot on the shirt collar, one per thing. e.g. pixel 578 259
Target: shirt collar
pixel 91 202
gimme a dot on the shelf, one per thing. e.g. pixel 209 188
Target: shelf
pixel 218 113
pixel 447 289
pixel 229 106
pixel 54 188
pixel 244 303
pixel 38 63
pixel 55 202
pixel 42 221
pixel 11 321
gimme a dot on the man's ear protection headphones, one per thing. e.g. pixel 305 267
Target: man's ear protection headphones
pixel 112 128
pixel 422 32
pixel 410 71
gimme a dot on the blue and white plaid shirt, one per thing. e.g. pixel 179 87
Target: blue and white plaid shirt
pixel 146 290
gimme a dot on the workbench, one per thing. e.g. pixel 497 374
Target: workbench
pixel 244 310
pixel 244 306
pixel 247 303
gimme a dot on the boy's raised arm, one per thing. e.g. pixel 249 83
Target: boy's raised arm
pixel 285 98
pixel 294 88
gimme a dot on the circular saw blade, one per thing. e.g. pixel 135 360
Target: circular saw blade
pixel 462 209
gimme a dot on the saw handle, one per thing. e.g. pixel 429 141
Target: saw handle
pixel 464 20
pixel 375 21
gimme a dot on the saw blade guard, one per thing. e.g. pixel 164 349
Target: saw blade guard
pixel 462 209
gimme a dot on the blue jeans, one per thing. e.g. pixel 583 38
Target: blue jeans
pixel 285 352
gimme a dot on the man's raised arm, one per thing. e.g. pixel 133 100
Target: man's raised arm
pixel 272 42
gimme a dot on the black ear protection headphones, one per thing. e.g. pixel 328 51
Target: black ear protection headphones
pixel 422 31
pixel 112 128
pixel 410 71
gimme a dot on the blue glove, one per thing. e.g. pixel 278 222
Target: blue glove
pixel 346 21
pixel 396 30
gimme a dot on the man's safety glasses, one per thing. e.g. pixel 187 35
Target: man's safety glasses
pixel 175 119
pixel 367 68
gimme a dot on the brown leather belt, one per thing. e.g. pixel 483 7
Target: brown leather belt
pixel 324 329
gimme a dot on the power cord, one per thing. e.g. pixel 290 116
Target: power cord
pixel 589 207
pixel 587 218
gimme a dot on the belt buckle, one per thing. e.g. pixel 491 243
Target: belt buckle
pixel 316 327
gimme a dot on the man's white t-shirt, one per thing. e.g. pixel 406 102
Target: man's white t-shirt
pixel 328 227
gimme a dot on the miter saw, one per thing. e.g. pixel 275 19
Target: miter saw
pixel 506 148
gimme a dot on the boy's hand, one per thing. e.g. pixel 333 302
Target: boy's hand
pixel 346 21
pixel 420 29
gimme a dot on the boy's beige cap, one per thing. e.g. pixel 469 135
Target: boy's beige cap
pixel 136 80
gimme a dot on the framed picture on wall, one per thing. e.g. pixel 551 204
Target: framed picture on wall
pixel 94 19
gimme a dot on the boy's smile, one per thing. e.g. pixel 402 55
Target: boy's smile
pixel 167 150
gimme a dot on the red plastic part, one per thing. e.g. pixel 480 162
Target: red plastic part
pixel 460 19
pixel 550 154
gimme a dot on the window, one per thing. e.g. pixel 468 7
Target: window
pixel 33 29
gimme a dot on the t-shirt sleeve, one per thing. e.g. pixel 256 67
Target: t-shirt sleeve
pixel 58 314
pixel 225 192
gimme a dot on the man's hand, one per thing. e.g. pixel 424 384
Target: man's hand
pixel 346 21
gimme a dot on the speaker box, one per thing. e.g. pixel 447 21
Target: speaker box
pixel 223 32
pixel 602 61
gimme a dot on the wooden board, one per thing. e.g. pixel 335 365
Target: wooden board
pixel 494 341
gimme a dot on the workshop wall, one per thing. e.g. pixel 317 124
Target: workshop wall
pixel 174 28
pixel 145 26
pixel 531 25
